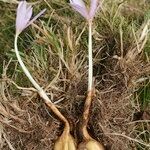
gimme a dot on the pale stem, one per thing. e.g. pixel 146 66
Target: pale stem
pixel 90 71
pixel 90 87
pixel 39 89
pixel 25 70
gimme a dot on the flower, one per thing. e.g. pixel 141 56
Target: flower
pixel 24 13
pixel 80 7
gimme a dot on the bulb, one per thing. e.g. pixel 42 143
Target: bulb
pixel 65 142
pixel 90 145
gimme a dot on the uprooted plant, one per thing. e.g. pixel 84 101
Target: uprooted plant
pixel 88 13
pixel 24 13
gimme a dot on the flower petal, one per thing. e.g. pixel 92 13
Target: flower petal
pixel 20 19
pixel 37 16
pixel 93 8
pixel 28 13
pixel 24 13
pixel 22 6
pixel 82 10
pixel 78 2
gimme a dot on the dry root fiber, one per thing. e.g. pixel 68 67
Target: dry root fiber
pixel 26 123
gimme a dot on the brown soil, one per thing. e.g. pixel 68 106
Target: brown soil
pixel 29 124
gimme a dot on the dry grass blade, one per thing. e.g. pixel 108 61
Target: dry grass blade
pixel 8 142
pixel 130 139
pixel 140 40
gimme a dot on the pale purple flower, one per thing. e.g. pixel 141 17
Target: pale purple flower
pixel 24 13
pixel 80 7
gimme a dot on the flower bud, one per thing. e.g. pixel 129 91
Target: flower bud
pixel 90 145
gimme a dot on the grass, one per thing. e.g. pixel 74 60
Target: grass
pixel 54 49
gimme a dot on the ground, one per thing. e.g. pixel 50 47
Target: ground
pixel 54 49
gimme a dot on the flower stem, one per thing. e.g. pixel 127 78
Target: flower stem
pixel 25 70
pixel 90 73
pixel 88 100
pixel 39 89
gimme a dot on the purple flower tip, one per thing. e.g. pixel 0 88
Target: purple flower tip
pixel 24 13
pixel 80 7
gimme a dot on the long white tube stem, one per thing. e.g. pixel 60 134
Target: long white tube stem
pixel 27 73
pixel 39 89
pixel 90 55
pixel 88 100
pixel 25 70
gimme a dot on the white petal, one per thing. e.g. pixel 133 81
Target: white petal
pixel 77 2
pixel 93 8
pixel 82 10
pixel 21 13
pixel 28 13
pixel 37 16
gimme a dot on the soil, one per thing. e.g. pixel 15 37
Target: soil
pixel 29 124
